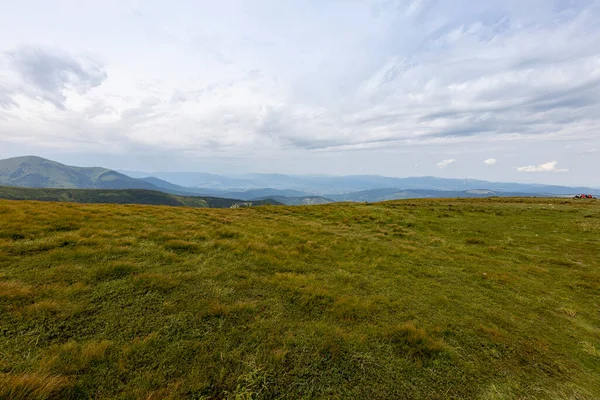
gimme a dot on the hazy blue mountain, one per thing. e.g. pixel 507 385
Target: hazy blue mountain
pixel 183 190
pixel 280 181
pixel 38 172
pixel 343 184
pixel 198 180
pixel 294 196
pixel 375 195
pixel 327 185
pixel 265 192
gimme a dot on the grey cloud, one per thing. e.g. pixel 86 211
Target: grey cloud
pixel 7 102
pixel 147 110
pixel 504 103
pixel 178 97
pixel 48 74
pixel 461 131
pixel 312 144
pixel 98 108
pixel 182 96
pixel 379 120
pixel 320 131
pixel 506 115
pixel 584 94
pixel 6 99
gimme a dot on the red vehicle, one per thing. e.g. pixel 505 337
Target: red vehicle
pixel 584 196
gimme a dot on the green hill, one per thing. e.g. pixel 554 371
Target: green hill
pixel 298 201
pixel 124 196
pixel 418 299
pixel 38 172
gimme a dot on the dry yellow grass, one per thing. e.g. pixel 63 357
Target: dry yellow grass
pixel 33 386
pixel 14 289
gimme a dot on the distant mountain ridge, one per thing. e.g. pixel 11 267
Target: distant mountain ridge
pixel 37 172
pixel 376 195
pixel 36 178
pixel 327 186
pixel 194 179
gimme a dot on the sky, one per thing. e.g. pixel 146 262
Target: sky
pixel 502 90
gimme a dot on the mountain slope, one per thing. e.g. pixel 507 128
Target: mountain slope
pixel 375 195
pixel 297 201
pixel 264 193
pixel 123 196
pixel 169 187
pixel 37 172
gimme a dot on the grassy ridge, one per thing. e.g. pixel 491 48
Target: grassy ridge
pixel 121 196
pixel 486 298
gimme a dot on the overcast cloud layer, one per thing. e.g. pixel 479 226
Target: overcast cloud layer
pixel 498 90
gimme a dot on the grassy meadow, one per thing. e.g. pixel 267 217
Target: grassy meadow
pixel 432 299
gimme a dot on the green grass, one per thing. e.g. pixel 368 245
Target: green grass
pixel 436 299
pixel 120 196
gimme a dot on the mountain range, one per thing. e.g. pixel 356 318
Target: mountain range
pixel 36 172
pixel 328 186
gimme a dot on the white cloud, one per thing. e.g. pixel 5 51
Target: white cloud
pixel 445 163
pixel 591 151
pixel 240 77
pixel 50 75
pixel 550 166
pixel 490 161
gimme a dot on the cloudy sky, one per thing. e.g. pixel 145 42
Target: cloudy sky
pixel 501 89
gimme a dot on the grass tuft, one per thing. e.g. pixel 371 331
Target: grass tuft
pixel 33 386
pixel 12 290
pixel 414 342
pixel 117 270
pixel 155 282
pixel 474 241
pixel 181 246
